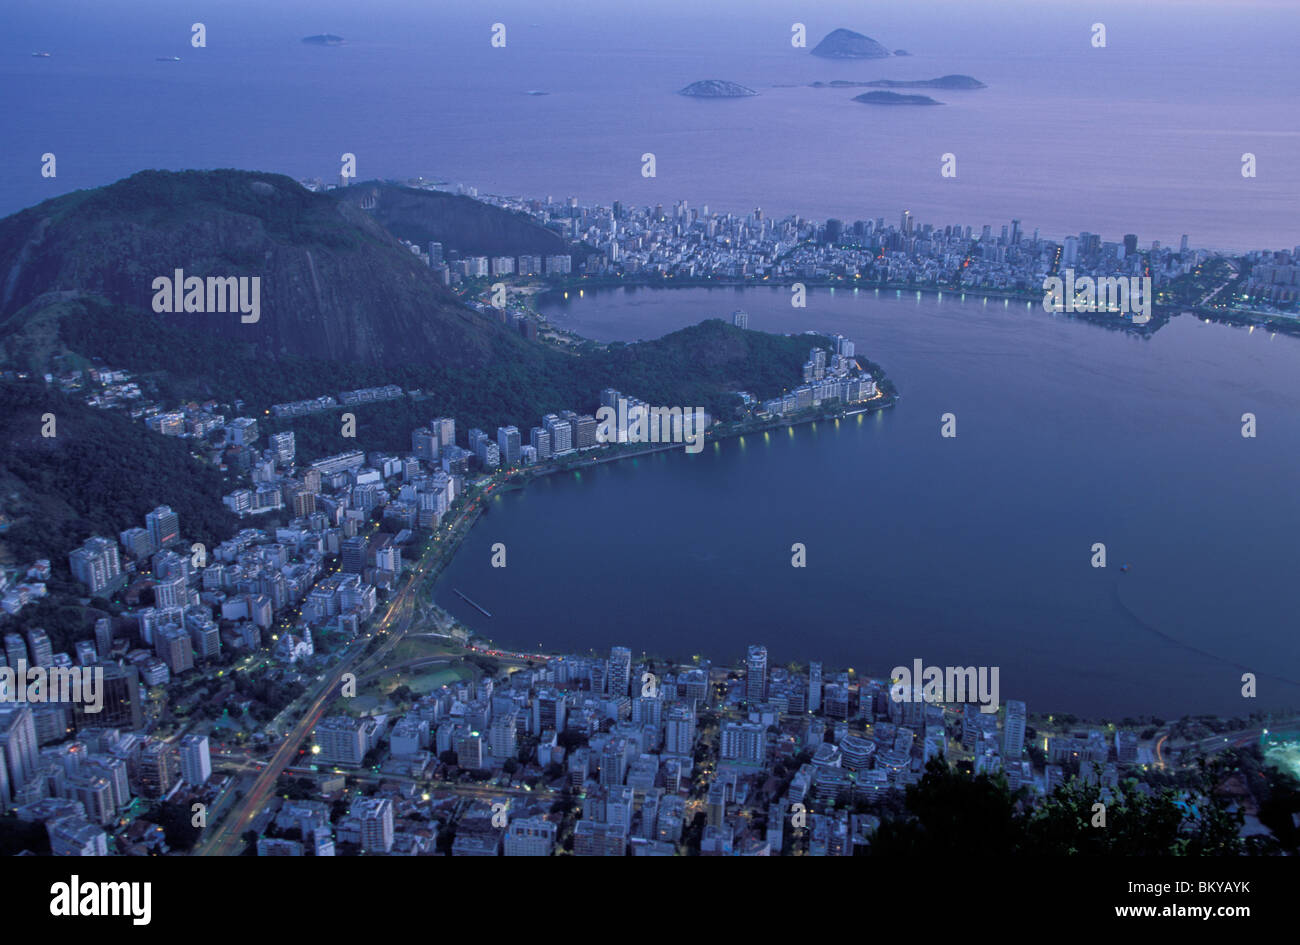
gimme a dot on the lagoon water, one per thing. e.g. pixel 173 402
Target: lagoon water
pixel 973 550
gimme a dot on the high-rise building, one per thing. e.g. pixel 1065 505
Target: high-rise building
pixel 508 442
pixel 104 637
pixel 503 735
pixel 530 836
pixel 137 542
pixel 15 649
pixel 474 437
pixel 156 769
pixel 561 434
pixel 284 447
pixel 740 319
pixel 242 431
pixel 717 803
pixel 343 740
pixel 540 440
pixel 171 592
pixel 1070 251
pixel 38 643
pixel 1130 244
pixel 584 431
pixel 424 444
pixel 814 686
pixel 76 836
pixel 19 751
pixel 856 752
pixel 97 565
pixel 164 526
pixel 205 637
pixel 388 556
pixel 376 816
pixel 196 763
pixel 613 762
pixel 679 730
pixel 121 706
pixel 172 645
pixel 86 653
pixel 743 741
pixel 1013 732
pixel 353 554
pixel 756 674
pixel 489 454
pixel 596 839
pixel 620 670
pixel 445 429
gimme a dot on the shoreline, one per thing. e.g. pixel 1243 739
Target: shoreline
pixel 1160 314
pixel 479 642
pixel 479 639
pixel 519 482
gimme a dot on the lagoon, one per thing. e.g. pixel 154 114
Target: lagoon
pixel 974 550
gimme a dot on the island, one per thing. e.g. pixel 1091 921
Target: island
pixel 323 39
pixel 846 44
pixel 716 88
pixel 894 98
pixel 901 52
pixel 943 82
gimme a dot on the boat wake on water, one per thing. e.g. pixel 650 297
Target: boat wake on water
pixel 1157 632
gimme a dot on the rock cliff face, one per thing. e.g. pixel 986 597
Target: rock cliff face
pixel 846 44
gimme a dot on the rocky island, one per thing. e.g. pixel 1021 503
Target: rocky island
pixel 943 82
pixel 846 44
pixel 323 39
pixel 894 98
pixel 716 88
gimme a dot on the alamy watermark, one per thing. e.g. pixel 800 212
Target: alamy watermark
pixel 641 423
pixel 181 293
pixel 920 683
pixel 77 898
pixel 84 684
pixel 1124 294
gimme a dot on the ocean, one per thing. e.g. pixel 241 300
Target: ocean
pixel 1143 136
